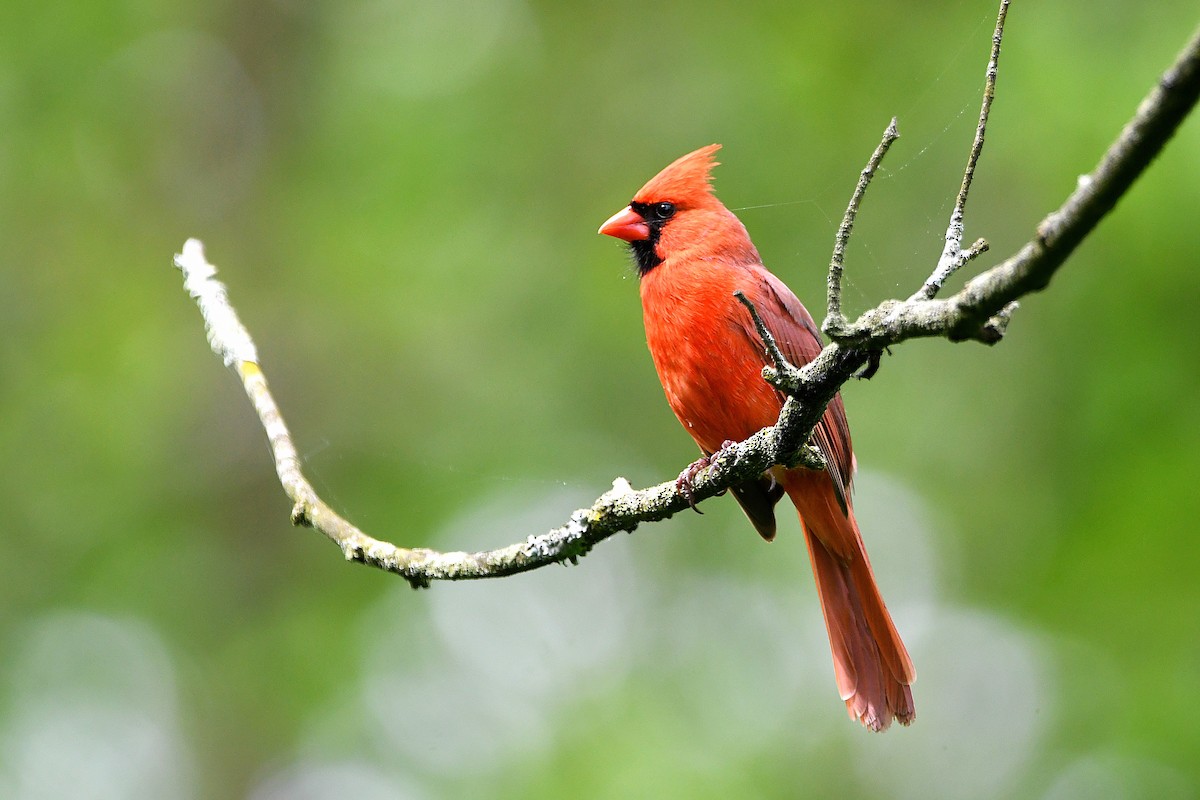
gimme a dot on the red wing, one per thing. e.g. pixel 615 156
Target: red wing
pixel 798 338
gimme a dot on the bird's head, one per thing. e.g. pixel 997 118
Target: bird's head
pixel 676 211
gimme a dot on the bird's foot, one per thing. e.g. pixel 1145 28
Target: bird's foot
pixel 684 484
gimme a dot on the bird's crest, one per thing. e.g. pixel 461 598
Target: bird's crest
pixel 686 180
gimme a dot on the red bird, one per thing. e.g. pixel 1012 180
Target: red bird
pixel 692 254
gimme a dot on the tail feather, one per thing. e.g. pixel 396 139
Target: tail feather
pixel 870 662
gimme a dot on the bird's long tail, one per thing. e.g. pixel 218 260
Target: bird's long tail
pixel 870 662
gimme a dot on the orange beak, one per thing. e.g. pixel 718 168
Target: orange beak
pixel 626 224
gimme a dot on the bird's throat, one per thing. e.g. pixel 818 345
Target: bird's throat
pixel 645 253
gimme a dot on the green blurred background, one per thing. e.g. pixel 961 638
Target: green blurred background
pixel 403 198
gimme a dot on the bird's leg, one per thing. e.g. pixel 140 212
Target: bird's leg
pixel 683 484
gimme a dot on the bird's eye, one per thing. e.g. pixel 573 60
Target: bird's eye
pixel 663 210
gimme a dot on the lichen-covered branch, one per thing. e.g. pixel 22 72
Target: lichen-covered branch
pixel 619 509
pixel 980 311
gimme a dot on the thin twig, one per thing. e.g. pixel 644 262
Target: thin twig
pixel 996 326
pixel 953 257
pixel 768 339
pixel 835 320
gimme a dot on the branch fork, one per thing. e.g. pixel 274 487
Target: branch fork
pixel 883 322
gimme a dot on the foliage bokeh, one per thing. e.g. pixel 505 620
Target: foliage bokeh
pixel 402 197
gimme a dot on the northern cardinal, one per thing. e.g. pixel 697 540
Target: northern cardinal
pixel 692 254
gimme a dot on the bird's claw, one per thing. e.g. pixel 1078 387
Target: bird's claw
pixel 684 484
